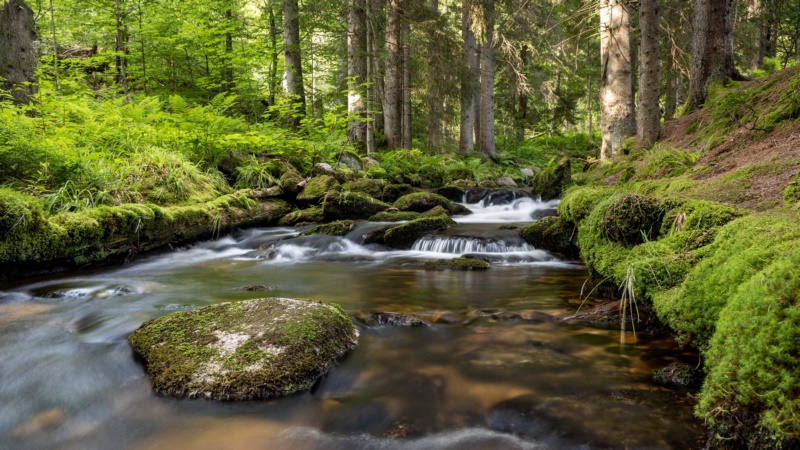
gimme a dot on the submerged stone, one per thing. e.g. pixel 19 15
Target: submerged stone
pixel 457 264
pixel 681 375
pixel 250 349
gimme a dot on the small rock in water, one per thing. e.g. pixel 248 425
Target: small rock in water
pixel 256 287
pixel 680 375
pixel 505 182
pixel 389 318
pixel 116 292
pixel 508 227
pixel 250 349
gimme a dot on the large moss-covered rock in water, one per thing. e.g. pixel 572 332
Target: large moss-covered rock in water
pixel 245 350
pixel 316 188
pixel 391 192
pixel 450 192
pixel 351 205
pixel 394 216
pixel 403 236
pixel 308 215
pixel 422 201
pixel 552 234
pixel 550 182
pixel 632 219
pixel 337 228
pixel 373 188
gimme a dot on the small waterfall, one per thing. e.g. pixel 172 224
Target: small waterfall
pixel 461 244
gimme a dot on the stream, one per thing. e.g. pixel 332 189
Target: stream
pixel 494 369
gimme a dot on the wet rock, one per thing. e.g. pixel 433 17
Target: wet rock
pixel 316 189
pixel 256 288
pixel 394 216
pixel 461 210
pixel 403 236
pixel 551 181
pixel 554 235
pixel 421 202
pixel 457 264
pixel 337 228
pixel 508 227
pixel 351 205
pixel 475 195
pixel 503 197
pixel 391 192
pixel 308 215
pixel 250 349
pixel 377 235
pixel 679 375
pixel 436 211
pixel 450 192
pixel 505 182
pixel 375 319
pixel 116 292
pixel 373 188
pixel 542 213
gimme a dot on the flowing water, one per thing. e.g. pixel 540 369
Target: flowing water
pixel 494 369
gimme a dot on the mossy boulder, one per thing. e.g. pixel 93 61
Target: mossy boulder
pixel 554 235
pixel 391 192
pixel 308 215
pixel 632 219
pixel 461 210
pixel 421 202
pixel 550 182
pixel 678 375
pixel 315 189
pixel 394 216
pixel 457 264
pixel 373 188
pixel 292 182
pixel 578 202
pixel 250 349
pixel 435 211
pixel 351 205
pixel 19 213
pixel 450 192
pixel 403 236
pixel 337 228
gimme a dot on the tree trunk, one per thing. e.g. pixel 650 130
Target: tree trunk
pixel 522 100
pixel 649 114
pixel 671 94
pixel 393 94
pixel 470 80
pixel 121 41
pixel 369 132
pixel 228 67
pixel 294 66
pixel 712 48
pixel 487 145
pixel 616 90
pixel 435 109
pixel 406 91
pixel 357 72
pixel 477 97
pixel 17 51
pixel 273 54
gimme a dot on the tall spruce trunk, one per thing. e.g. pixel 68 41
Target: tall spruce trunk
pixel 121 42
pixel 294 66
pixel 649 115
pixel 273 54
pixel 357 72
pixel 406 90
pixel 393 94
pixel 470 81
pixel 616 113
pixel 712 48
pixel 435 101
pixel 17 51
pixel 486 143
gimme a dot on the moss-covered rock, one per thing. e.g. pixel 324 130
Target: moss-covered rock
pixel 308 215
pixel 461 210
pixel 337 228
pixel 421 202
pixel 245 350
pixel 550 182
pixel 403 236
pixel 450 192
pixel 351 205
pixel 435 211
pixel 554 235
pixel 792 192
pixel 391 192
pixel 19 213
pixel 678 375
pixel 457 264
pixel 291 182
pixel 373 188
pixel 315 189
pixel 632 219
pixel 579 202
pixel 394 216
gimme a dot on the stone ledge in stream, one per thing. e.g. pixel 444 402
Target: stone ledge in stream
pixel 251 349
pixel 468 263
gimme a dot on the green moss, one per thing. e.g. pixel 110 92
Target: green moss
pixel 421 202
pixel 791 194
pixel 250 349
pixel 578 202
pixel 351 205
pixel 457 264
pixel 403 236
pixel 19 213
pixel 308 215
pixel 337 228
pixel 373 188
pixel 394 216
pixel 315 189
pixel 391 192
pixel 553 234
pixel 450 192
pixel 632 219
pixel 551 181
pixel 752 394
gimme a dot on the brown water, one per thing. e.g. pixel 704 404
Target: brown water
pixel 495 369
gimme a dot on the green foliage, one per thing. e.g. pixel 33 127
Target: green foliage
pixel 632 219
pixel 664 161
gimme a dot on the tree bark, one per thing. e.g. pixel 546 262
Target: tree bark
pixel 487 145
pixel 406 91
pixel 273 54
pixel 393 94
pixel 294 66
pixel 435 109
pixel 121 41
pixel 470 80
pixel 357 72
pixel 228 66
pixel 649 115
pixel 616 89
pixel 712 48
pixel 17 50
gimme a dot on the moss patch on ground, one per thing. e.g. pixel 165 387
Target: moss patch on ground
pixel 245 350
